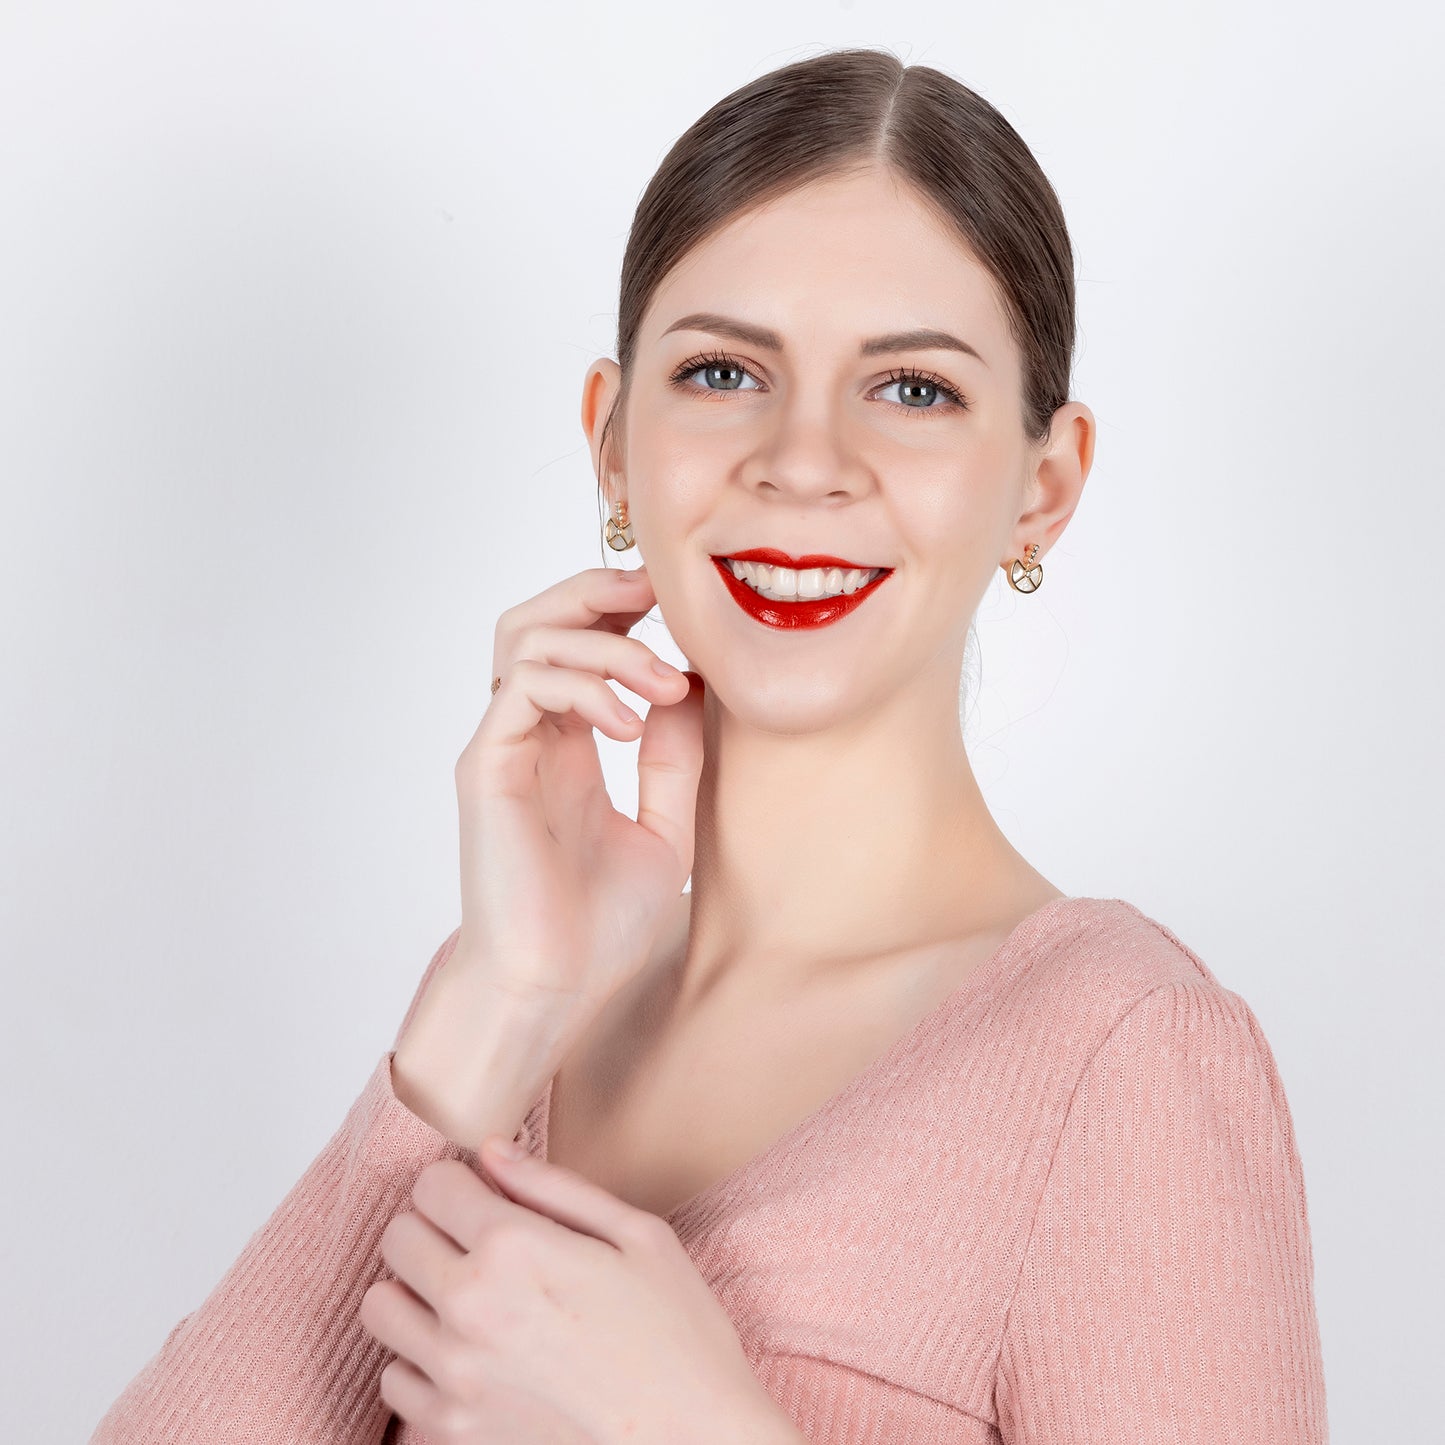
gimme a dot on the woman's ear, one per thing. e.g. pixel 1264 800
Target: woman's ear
pixel 600 389
pixel 1058 480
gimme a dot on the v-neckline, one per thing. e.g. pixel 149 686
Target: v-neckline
pixel 1027 932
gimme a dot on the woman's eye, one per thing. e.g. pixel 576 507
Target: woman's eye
pixel 728 374
pixel 920 393
pixel 916 394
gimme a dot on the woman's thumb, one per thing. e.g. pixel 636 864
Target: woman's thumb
pixel 669 764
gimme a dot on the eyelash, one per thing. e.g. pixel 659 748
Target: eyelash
pixel 718 358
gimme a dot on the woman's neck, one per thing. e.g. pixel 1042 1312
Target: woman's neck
pixel 820 852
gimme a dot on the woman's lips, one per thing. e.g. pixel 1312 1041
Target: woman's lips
pixel 811 612
pixel 771 557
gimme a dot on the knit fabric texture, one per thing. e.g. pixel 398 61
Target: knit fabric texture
pixel 1066 1208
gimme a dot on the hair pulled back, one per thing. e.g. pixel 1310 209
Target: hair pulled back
pixel 833 115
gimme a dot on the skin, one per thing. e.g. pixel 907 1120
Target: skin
pixel 819 739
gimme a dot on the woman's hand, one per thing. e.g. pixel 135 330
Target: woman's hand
pixel 562 895
pixel 555 1312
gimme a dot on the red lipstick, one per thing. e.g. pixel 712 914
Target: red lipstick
pixel 790 616
pixel 771 557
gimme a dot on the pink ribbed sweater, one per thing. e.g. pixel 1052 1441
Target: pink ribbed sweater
pixel 1066 1207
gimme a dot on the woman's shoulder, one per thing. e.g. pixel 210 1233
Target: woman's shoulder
pixel 1101 1003
pixel 1106 948
pixel 1078 970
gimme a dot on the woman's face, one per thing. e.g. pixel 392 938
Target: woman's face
pixel 811 446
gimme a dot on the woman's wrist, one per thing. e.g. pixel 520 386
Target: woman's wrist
pixel 473 1060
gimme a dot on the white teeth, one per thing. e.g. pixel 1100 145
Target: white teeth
pixel 785 584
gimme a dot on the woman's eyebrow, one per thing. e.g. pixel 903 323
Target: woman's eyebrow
pixel 922 338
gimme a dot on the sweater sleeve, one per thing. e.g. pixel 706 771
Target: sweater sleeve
pixel 276 1354
pixel 1167 1292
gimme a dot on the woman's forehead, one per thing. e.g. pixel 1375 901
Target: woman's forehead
pixel 850 258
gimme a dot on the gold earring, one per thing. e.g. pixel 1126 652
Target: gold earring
pixel 619 526
pixel 1024 574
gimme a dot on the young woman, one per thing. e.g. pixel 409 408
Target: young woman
pixel 875 1134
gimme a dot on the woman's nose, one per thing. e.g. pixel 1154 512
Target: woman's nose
pixel 807 451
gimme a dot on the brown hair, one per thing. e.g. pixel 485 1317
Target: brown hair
pixel 838 113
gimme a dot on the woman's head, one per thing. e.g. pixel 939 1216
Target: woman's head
pixel 830 202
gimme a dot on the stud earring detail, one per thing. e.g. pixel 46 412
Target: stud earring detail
pixel 1024 574
pixel 619 529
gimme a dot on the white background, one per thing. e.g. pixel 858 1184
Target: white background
pixel 295 305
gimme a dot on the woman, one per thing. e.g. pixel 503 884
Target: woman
pixel 876 1134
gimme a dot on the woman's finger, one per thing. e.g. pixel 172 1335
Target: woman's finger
pixel 456 1201
pixel 409 1393
pixel 395 1317
pixel 622 659
pixel 420 1255
pixel 604 598
pixel 669 766
pixel 575 697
